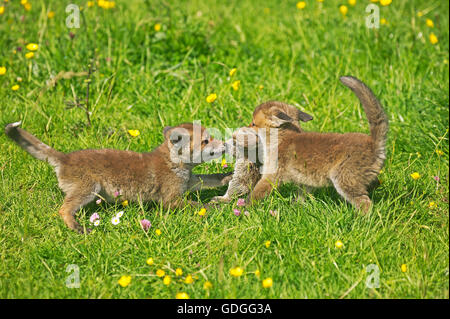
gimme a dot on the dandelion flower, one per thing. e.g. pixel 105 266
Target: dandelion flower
pixel 158 232
pixel 233 71
pixel 27 6
pixel 167 280
pixel 235 85
pixel 404 268
pixel 125 203
pixel 134 133
pixel 383 21
pixel 2 10
pixel 188 279
pixel 97 222
pixel 178 271
pixel 160 273
pixel 267 283
pixel 182 295
pixel 119 214
pixel 267 243
pixel 211 98
pixel 237 212
pixel 415 175
pixel 94 217
pixel 2 70
pixel 32 47
pixel 257 273
pixel 29 55
pixel 145 224
pixel 432 205
pixel 51 14
pixel 15 87
pixel 207 285
pixel 124 281
pixel 157 27
pixel 23 2
pixel 343 10
pixel 352 2
pixel 433 38
pixel 385 2
pixel 90 4
pixel 339 244
pixel 236 272
pixel 438 152
pixel 202 212
pixel 115 220
pixel 429 23
pixel 149 261
pixel 301 5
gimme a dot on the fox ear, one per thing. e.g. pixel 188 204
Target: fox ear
pixel 279 118
pixel 304 117
pixel 176 134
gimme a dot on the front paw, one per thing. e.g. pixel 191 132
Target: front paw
pixel 220 199
pixel 226 180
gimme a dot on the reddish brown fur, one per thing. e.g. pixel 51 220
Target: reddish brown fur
pixel 350 162
pixel 153 176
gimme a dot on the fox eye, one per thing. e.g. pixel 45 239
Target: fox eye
pixel 204 142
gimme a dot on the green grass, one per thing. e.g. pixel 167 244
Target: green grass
pixel 147 79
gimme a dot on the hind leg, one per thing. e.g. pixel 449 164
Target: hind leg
pixel 72 203
pixel 353 190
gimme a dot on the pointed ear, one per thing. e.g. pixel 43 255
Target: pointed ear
pixel 278 118
pixel 304 117
pixel 175 135
pixel 165 130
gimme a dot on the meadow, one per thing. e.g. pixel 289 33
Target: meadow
pixel 133 67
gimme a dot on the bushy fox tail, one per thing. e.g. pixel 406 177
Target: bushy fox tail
pixel 378 121
pixel 32 145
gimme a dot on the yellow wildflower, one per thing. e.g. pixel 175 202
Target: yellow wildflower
pixel 339 244
pixel 182 295
pixel 32 46
pixel 383 21
pixel 235 85
pixel 432 205
pixel 157 27
pixel 415 175
pixel 51 14
pixel 433 38
pixel 150 261
pixel 236 272
pixel 419 14
pixel 202 212
pixel 27 6
pixel 267 283
pixel 23 2
pixel 224 163
pixel 385 2
pixel 125 203
pixel 90 4
pixel 2 9
pixel 438 152
pixel 207 285
pixel 211 98
pixel 15 87
pixel 134 133
pixel 178 271
pixel 233 71
pixel 167 280
pixel 188 279
pixel 29 55
pixel 352 2
pixel 2 70
pixel 158 232
pixel 267 243
pixel 124 281
pixel 404 268
pixel 343 10
pixel 260 87
pixel 301 5
pixel 429 23
pixel 160 273
pixel 257 273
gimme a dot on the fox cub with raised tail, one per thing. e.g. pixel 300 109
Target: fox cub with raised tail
pixel 350 162
pixel 162 175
